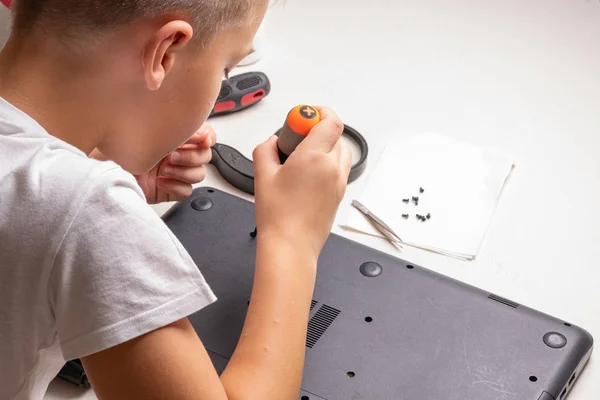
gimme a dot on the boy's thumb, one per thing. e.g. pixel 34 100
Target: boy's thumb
pixel 266 156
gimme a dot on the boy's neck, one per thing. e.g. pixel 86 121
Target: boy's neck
pixel 63 94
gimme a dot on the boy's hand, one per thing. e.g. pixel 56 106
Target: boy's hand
pixel 173 177
pixel 298 201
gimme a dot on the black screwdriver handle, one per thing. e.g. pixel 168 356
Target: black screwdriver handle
pixel 240 92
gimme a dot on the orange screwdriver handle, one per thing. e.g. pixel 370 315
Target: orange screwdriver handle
pixel 300 120
pixel 238 170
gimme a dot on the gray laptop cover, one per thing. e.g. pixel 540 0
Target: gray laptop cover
pixel 381 328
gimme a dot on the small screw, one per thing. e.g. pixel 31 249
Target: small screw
pixel 415 200
pixel 422 190
pixel 429 216
pixel 254 233
pixel 406 200
pixel 405 216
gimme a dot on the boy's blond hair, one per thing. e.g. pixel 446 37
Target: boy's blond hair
pixel 73 18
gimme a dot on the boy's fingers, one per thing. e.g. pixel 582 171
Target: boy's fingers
pixel 265 156
pixel 337 149
pixel 326 133
pixel 344 156
pixel 191 175
pixel 176 190
pixel 205 137
pixel 197 138
pixel 346 160
pixel 190 157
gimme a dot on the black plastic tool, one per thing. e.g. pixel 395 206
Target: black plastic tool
pixel 74 373
pixel 240 92
pixel 381 327
pixel 239 170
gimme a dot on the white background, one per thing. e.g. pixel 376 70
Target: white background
pixel 522 76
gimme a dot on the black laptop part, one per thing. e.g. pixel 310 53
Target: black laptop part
pixel 381 328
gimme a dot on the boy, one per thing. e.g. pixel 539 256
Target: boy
pixel 87 269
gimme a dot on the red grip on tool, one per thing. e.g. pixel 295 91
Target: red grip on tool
pixel 241 91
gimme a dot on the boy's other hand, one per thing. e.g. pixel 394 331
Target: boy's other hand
pixel 172 178
pixel 298 201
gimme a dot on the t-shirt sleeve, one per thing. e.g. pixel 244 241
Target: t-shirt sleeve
pixel 120 272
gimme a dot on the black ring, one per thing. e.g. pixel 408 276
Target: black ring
pixel 359 167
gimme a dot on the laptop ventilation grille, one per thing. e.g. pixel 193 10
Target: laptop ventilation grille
pixel 318 324
pixel 312 304
pixel 503 301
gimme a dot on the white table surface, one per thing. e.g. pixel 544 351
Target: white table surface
pixel 520 75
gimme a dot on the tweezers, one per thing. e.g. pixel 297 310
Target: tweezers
pixel 378 223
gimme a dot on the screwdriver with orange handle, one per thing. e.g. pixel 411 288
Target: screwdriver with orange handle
pixel 300 120
pixel 298 124
pixel 239 170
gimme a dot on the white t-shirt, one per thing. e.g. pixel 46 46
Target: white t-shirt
pixel 85 263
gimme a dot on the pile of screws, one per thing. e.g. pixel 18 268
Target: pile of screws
pixel 415 200
pixel 423 217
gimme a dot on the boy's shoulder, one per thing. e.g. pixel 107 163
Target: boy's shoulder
pixel 46 182
pixel 80 243
pixel 43 171
pixel 43 166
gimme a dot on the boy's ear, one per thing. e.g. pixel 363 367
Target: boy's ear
pixel 160 51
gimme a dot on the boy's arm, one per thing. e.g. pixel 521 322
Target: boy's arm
pixel 268 361
pixel 295 209
pixel 171 362
pixel 168 363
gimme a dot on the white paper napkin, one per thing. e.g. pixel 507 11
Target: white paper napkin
pixel 462 184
